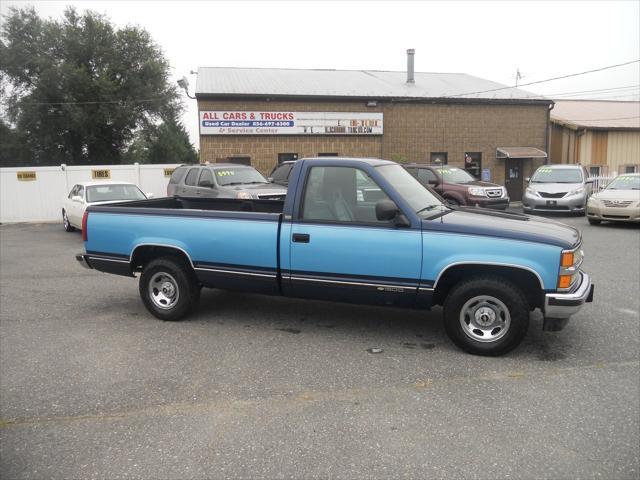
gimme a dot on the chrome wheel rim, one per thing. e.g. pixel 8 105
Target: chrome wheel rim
pixel 485 319
pixel 65 220
pixel 163 290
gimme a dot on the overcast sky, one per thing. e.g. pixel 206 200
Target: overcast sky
pixel 487 39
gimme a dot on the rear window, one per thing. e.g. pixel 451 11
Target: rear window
pixel 177 175
pixel 281 174
pixel 191 177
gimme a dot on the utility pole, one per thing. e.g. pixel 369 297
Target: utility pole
pixel 518 76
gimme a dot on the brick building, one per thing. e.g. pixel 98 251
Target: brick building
pixel 263 116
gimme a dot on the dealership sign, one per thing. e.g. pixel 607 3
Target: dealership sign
pixel 289 123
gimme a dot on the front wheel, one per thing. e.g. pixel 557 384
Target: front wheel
pixel 452 202
pixel 65 222
pixel 168 288
pixel 594 221
pixel 486 315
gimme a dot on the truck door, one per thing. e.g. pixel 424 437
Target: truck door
pixel 340 251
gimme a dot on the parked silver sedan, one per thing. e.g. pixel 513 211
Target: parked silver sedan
pixel 558 188
pixel 618 202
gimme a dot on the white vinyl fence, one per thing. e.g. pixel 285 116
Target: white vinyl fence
pixel 600 182
pixel 35 194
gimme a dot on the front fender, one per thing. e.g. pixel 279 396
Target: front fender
pixel 445 250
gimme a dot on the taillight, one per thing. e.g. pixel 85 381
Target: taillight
pixel 85 217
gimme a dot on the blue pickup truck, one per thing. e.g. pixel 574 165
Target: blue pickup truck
pixel 350 230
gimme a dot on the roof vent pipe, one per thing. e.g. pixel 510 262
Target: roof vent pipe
pixel 410 54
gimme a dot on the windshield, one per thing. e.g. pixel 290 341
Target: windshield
pixel 557 175
pixel 625 182
pixel 417 196
pixel 454 175
pixel 109 193
pixel 238 176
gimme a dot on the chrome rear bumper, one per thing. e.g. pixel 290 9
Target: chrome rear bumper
pixel 82 259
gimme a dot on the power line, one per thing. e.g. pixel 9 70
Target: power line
pixel 601 90
pixel 97 102
pixel 548 79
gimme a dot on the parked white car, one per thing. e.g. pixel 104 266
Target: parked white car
pixel 618 202
pixel 96 193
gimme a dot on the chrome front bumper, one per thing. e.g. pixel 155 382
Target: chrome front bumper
pixel 560 306
pixel 82 260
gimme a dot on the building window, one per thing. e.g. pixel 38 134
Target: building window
pixel 327 154
pixel 473 163
pixel 287 157
pixel 239 160
pixel 439 157
pixel 630 168
pixel 594 170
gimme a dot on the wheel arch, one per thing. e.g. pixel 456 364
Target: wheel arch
pixel 145 252
pixel 527 279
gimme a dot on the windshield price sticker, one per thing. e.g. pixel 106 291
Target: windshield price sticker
pixel 545 170
pixel 225 173
pixel 169 171
pixel 100 174
pixel 448 170
pixel 26 176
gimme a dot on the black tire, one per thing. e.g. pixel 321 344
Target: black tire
pixel 594 221
pixel 452 202
pixel 179 279
pixel 488 287
pixel 65 222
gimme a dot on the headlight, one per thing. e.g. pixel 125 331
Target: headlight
pixel 531 191
pixel 577 191
pixel 477 192
pixel 244 195
pixel 593 201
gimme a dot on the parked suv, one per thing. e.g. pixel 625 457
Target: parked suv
pixel 457 187
pixel 558 188
pixel 280 173
pixel 222 180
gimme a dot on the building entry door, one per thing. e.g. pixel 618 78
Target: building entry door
pixel 513 178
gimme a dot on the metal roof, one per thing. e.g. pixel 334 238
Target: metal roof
pixel 596 114
pixel 375 84
pixel 520 152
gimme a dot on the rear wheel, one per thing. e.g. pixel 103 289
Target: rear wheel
pixel 65 222
pixel 168 288
pixel 594 221
pixel 486 315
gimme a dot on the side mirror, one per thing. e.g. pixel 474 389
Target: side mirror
pixel 386 210
pixel 589 180
pixel 433 182
pixel 149 195
pixel 528 179
pixel 206 184
pixel 76 198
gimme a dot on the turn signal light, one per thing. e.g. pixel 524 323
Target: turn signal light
pixel 564 281
pixel 567 259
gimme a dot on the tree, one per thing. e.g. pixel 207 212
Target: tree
pixel 79 90
pixel 165 143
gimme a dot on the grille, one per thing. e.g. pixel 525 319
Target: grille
pixel 554 207
pixel 272 196
pixel 552 195
pixel 617 203
pixel 495 193
pixel 615 216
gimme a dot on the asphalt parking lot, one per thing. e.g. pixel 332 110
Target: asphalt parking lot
pixel 92 386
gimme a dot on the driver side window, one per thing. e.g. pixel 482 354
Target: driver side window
pixel 341 194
